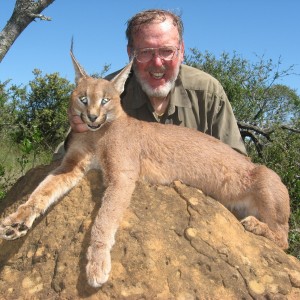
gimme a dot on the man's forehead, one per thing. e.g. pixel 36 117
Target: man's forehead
pixel 156 29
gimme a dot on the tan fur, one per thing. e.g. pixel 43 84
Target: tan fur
pixel 128 150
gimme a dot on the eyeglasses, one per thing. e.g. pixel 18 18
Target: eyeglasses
pixel 144 55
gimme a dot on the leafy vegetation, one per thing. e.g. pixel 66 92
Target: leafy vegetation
pixel 34 120
pixel 42 112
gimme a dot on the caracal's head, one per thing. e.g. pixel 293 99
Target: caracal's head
pixel 97 101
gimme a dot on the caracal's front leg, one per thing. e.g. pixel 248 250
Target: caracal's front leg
pixel 55 185
pixel 115 201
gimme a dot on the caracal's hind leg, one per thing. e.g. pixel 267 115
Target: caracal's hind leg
pixel 271 203
pixel 115 201
pixel 55 185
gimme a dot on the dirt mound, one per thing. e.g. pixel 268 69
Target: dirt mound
pixel 174 243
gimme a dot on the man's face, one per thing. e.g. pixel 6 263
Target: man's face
pixel 157 76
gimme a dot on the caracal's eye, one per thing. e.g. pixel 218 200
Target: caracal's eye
pixel 104 101
pixel 83 100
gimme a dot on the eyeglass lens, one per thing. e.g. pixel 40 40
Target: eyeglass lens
pixel 145 55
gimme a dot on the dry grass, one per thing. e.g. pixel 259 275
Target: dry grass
pixel 14 164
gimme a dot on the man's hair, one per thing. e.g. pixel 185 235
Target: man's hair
pixel 150 16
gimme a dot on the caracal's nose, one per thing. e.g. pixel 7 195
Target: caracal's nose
pixel 93 118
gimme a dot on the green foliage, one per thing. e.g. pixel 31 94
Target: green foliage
pixel 251 87
pixel 42 116
pixel 2 187
pixel 9 99
pixel 104 70
pixel 294 234
pixel 33 121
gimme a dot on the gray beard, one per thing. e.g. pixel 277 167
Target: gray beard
pixel 159 92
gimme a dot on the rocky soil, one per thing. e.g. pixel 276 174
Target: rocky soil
pixel 173 243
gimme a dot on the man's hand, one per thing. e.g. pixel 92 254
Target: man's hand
pixel 76 123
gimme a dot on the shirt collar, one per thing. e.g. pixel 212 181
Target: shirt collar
pixel 179 96
pixel 136 96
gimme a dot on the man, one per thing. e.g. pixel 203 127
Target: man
pixel 162 89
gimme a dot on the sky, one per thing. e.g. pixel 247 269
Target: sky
pixel 269 28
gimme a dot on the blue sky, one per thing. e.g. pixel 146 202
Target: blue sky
pixel 263 27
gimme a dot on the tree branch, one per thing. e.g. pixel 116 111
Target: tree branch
pixel 290 128
pixel 24 13
pixel 258 145
pixel 265 132
pixel 39 16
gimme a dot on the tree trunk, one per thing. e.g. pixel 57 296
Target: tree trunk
pixel 24 13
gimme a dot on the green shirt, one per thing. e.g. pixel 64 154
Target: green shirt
pixel 197 101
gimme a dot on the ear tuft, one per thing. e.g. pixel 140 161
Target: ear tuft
pixel 120 79
pixel 79 71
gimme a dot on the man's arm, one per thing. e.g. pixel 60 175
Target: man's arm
pixel 225 126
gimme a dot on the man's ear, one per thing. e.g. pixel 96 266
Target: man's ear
pixel 182 51
pixel 130 52
pixel 120 79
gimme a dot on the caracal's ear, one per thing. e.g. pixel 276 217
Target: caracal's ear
pixel 120 79
pixel 79 71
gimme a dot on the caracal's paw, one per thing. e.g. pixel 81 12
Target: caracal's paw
pixel 12 231
pixel 98 267
pixel 255 226
pixel 251 224
pixel 17 224
pixel 279 237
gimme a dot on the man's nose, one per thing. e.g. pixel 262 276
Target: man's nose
pixel 156 59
